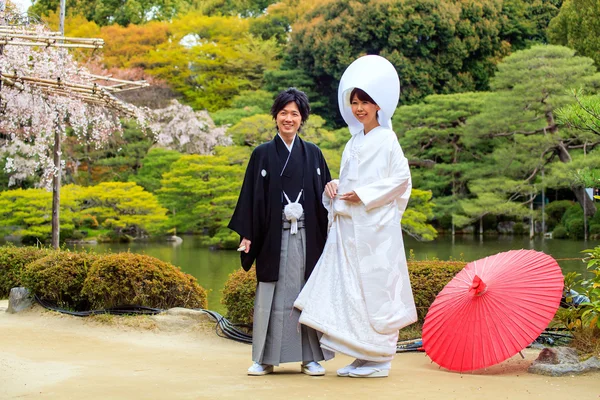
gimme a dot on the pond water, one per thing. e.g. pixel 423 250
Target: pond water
pixel 212 268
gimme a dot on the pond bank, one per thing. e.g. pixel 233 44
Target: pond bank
pixel 47 355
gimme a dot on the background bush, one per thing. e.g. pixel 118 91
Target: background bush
pixel 427 279
pixel 126 278
pixel 59 278
pixel 559 232
pixel 12 261
pixel 238 296
pixel 555 211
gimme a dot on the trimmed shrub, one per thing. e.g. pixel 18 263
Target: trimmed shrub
pixel 135 279
pixel 427 279
pixel 519 228
pixel 555 211
pixel 12 262
pixel 59 278
pixel 575 228
pixel 238 296
pixel 559 232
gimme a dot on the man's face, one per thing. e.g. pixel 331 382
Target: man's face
pixel 289 119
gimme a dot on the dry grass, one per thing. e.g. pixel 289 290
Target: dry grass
pixel 587 342
pixel 142 322
pixel 411 332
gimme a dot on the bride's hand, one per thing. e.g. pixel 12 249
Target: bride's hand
pixel 350 197
pixel 331 189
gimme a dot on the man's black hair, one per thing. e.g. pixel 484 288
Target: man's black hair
pixel 287 96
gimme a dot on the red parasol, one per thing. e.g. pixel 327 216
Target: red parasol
pixel 492 309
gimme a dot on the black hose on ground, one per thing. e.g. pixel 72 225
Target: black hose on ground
pixel 223 328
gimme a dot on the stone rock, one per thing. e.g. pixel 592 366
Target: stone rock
pixel 19 300
pixel 197 315
pixel 561 361
pixel 180 319
pixel 558 355
pixel 505 226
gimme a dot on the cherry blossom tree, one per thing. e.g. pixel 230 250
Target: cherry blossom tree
pixel 43 94
pixel 179 127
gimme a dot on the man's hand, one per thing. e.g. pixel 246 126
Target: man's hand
pixel 350 197
pixel 245 245
pixel 331 189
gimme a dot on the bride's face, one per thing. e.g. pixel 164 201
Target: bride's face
pixel 364 111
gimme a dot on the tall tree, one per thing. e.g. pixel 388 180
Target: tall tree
pixel 210 60
pixel 528 88
pixel 437 46
pixel 122 12
pixel 577 26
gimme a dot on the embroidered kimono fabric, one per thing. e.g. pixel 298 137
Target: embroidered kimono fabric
pixel 359 294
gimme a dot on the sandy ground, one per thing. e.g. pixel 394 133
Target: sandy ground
pixel 52 356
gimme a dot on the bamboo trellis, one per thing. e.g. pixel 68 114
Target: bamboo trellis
pixel 17 36
pixel 95 93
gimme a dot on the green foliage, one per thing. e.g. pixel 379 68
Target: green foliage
pixel 59 278
pixel 591 309
pixel 245 8
pixel 156 162
pixel 435 138
pixel 124 203
pixel 28 213
pixel 210 60
pixel 126 278
pixel 238 296
pixel 525 21
pixel 583 321
pixel 577 26
pixel 560 232
pixel 427 279
pixel 584 115
pixel 437 46
pixel 202 191
pixel 246 104
pixel 519 229
pixel 555 211
pixel 122 12
pixel 117 161
pixel 12 262
pixel 418 212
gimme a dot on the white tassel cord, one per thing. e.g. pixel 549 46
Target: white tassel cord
pixel 293 211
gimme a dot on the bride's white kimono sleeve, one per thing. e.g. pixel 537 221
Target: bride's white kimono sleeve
pixel 384 187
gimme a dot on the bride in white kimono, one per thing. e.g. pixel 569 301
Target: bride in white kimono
pixel 359 293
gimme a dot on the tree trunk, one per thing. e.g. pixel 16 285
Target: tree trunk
pixel 56 191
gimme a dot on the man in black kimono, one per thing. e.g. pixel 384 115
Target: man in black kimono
pixel 283 226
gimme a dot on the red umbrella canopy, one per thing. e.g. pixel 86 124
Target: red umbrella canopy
pixel 492 309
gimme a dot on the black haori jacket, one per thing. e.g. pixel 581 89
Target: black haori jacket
pixel 257 215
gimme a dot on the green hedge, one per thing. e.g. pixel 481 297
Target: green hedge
pixel 12 262
pixel 80 281
pixel 238 296
pixel 427 279
pixel 127 278
pixel 59 278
